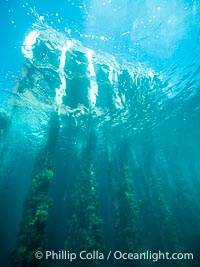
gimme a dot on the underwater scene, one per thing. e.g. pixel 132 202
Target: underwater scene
pixel 100 133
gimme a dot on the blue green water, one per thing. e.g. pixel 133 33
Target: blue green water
pixel 99 132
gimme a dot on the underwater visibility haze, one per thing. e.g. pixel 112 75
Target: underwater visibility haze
pixel 100 133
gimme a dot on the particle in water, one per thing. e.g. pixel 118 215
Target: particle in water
pixel 69 31
pixel 102 38
pixel 41 18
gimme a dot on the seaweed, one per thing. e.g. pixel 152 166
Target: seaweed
pixel 85 225
pixel 36 209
